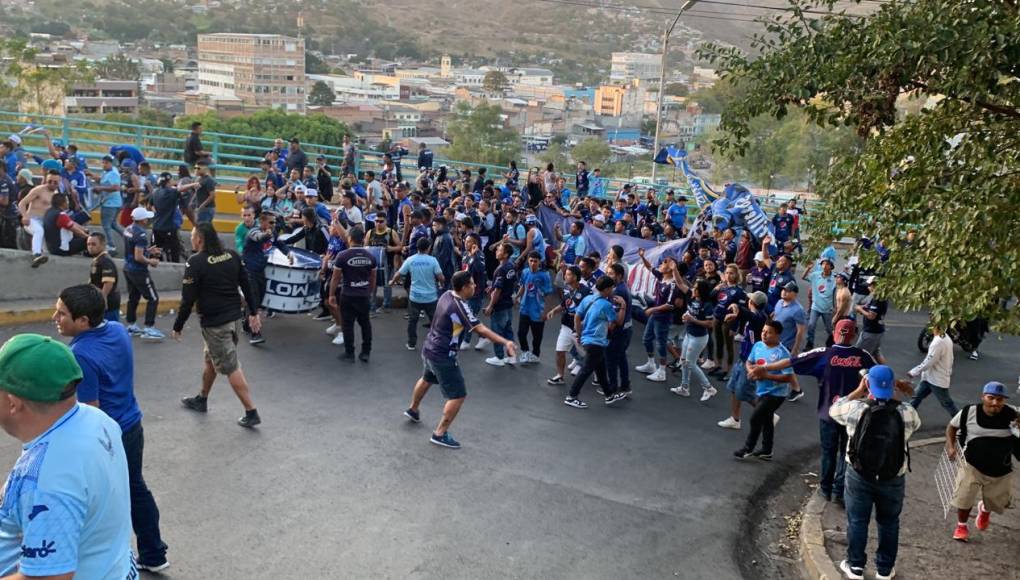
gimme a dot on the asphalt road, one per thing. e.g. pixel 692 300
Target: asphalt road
pixel 337 484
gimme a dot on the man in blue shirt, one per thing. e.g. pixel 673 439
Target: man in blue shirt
pixel 771 389
pixel 138 256
pixel 574 245
pixel 781 278
pixel 677 213
pixel 500 309
pixel 426 279
pixel 782 223
pixel 103 351
pixel 791 314
pixel 820 300
pixel 424 157
pixel 110 202
pixel 535 285
pixel 592 321
pixel 66 508
pixel 581 180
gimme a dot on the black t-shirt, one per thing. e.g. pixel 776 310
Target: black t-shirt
pixel 215 284
pixel 990 443
pixel 105 270
pixel 357 265
pixel 505 279
pixel 205 190
pixel 191 149
pixel 569 300
pixel 879 307
pixel 165 200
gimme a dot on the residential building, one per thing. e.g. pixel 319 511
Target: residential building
pixel 360 88
pixel 634 65
pixel 102 96
pixel 541 77
pixel 620 100
pixel 260 70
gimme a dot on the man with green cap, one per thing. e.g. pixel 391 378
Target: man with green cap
pixel 66 510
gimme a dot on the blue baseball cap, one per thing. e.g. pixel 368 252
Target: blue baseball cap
pixel 995 388
pixel 880 381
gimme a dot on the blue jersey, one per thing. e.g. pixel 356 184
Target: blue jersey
pixel 762 354
pixel 536 285
pixel 423 269
pixel 135 236
pixel 108 372
pixel 66 505
pixel 597 314
pixel 677 215
pixel 791 316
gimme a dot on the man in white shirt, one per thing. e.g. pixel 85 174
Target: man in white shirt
pixel 935 371
pixel 374 190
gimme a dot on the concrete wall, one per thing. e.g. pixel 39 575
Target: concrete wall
pixel 19 281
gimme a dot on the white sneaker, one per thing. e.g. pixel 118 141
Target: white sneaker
pixel 339 340
pixel 729 423
pixel 495 361
pixel 708 393
pixel 708 365
pixel 572 364
pixel 511 360
pixel 333 329
pixel 681 391
pixel 648 367
pixel 522 357
pixel 659 376
pixel 483 343
pixel 465 345
pixel 775 419
pixel 575 371
pixel 533 359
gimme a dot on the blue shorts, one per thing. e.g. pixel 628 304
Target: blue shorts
pixel 447 374
pixel 739 385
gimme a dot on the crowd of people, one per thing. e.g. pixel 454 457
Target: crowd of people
pixel 723 311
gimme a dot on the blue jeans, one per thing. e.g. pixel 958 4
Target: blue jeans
pixel 689 353
pixel 834 438
pixel 926 388
pixel 206 214
pixel 382 278
pixel 887 499
pixel 813 318
pixel 617 367
pixel 112 315
pixel 108 220
pixel 655 336
pixel 502 324
pixel 475 304
pixel 144 512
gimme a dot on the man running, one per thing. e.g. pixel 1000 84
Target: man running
pixel 212 278
pixel 138 257
pixel 439 356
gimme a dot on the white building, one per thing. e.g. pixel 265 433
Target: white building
pixel 350 90
pixel 541 77
pixel 635 65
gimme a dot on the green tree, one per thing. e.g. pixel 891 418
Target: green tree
pixel 676 90
pixel 495 82
pixel 557 155
pixel 315 65
pixel 593 151
pixel 272 124
pixel 118 67
pixel 951 171
pixel 478 135
pixel 31 88
pixel 321 95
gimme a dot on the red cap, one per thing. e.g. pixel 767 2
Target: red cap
pixel 844 332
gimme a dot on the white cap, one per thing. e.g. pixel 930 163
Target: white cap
pixel 140 213
pixel 599 218
pixel 759 257
pixel 459 216
pixel 311 193
pixel 16 139
pixel 300 189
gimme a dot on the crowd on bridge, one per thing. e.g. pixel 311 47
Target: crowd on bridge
pixel 713 308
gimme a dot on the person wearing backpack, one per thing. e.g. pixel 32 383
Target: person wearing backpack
pixel 878 459
pixel 987 434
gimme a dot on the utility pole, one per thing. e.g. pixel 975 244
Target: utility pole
pixel 662 81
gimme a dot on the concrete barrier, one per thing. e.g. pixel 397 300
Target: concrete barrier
pixel 22 282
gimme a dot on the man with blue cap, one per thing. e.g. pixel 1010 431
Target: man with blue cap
pixel 878 428
pixel 987 434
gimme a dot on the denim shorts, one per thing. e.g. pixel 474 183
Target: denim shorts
pixel 740 385
pixel 447 374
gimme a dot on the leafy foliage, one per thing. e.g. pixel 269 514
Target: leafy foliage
pixel 118 67
pixel 478 135
pixel 31 88
pixel 593 151
pixel 272 124
pixel 950 171
pixel 321 95
pixel 495 82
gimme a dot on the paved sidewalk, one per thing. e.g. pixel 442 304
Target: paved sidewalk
pixel 927 549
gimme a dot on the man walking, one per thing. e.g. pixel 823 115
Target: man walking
pixel 935 371
pixel 67 497
pixel 355 267
pixel 439 356
pixel 103 274
pixel 104 353
pixel 212 278
pixel 257 245
pixel 571 295
pixel 985 432
pixel 771 390
pixel 138 256
pixel 592 320
pixel 878 430
pixel 820 300
pixel 500 309
pixel 426 279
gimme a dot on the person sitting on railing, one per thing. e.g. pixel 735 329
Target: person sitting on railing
pixel 33 208
pixel 296 158
pixel 350 156
pixel 323 179
pixel 271 178
pixel 193 150
pixel 63 235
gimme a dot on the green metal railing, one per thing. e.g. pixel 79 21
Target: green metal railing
pixel 237 156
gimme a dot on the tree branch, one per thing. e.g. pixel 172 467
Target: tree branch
pixel 990 107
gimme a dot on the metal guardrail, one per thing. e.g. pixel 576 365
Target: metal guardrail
pixel 237 156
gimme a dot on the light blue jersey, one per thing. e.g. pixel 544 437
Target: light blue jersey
pixel 66 505
pixel 761 355
pixel 597 313
pixel 823 290
pixel 424 269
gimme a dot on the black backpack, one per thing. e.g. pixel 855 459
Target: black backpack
pixel 878 450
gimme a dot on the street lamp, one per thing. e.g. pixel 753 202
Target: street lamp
pixel 662 80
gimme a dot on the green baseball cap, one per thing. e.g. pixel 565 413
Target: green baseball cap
pixel 37 368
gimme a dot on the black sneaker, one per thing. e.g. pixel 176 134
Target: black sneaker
pixel 600 392
pixel 557 380
pixel 795 396
pixel 151 567
pixel 575 403
pixel 196 403
pixel 363 357
pixel 675 365
pixel 39 260
pixel 595 381
pixel 615 398
pixel 347 357
pixel 742 453
pixel 414 416
pixel 256 338
pixel 250 419
pixel 626 393
pixel 323 316
pixel 762 454
pixel 410 346
pixel 445 440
